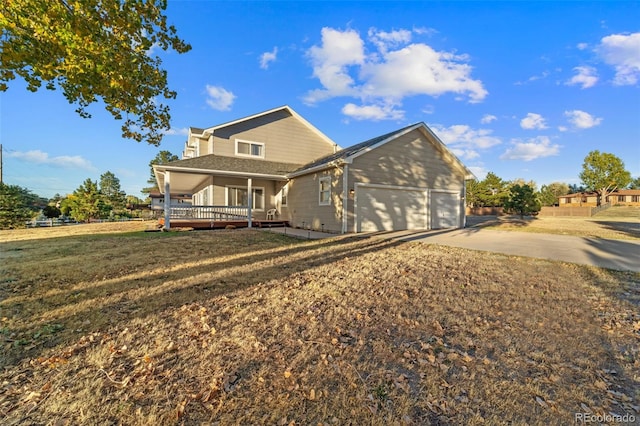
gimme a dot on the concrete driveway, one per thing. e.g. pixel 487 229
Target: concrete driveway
pixel 622 255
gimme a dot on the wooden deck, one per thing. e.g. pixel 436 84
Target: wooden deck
pixel 222 224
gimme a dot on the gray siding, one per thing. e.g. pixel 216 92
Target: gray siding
pixel 286 139
pixel 410 160
pixel 304 207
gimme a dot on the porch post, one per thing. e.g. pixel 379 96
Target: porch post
pixel 167 201
pixel 249 203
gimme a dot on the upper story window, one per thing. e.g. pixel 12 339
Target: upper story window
pixel 249 149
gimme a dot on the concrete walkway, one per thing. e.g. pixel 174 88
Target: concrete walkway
pixel 622 255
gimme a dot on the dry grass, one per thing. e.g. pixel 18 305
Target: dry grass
pixel 615 223
pixel 247 327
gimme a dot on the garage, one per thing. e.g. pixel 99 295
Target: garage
pixel 445 209
pixel 381 208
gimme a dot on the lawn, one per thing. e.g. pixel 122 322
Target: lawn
pixel 614 223
pixel 119 326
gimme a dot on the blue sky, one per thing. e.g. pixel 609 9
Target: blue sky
pixel 524 90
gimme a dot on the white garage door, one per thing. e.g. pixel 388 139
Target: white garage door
pixel 390 209
pixel 445 210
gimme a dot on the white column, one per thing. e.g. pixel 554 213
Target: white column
pixel 249 202
pixel 167 201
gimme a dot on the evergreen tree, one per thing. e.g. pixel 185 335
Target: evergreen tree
pixel 17 206
pixel 522 200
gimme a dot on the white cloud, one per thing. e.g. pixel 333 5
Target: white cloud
pixel 465 141
pixel 392 70
pixel 372 112
pixel 418 69
pixel 623 53
pixel 63 161
pixel 533 121
pixel 488 118
pixel 267 57
pixel 542 76
pixel 386 40
pixel 339 50
pixel 585 76
pixel 532 149
pixel 581 119
pixel 182 131
pixel 479 171
pixel 218 98
pixel 582 46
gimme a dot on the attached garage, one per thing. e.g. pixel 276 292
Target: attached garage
pixel 445 209
pixel 383 208
pixel 403 180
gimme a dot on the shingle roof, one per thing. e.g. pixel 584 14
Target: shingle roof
pixel 352 150
pixel 593 194
pixel 234 164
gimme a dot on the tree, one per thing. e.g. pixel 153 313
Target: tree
pixel 493 191
pixel 576 189
pixel 635 183
pixel 111 192
pixel 17 206
pixel 548 195
pixel 163 157
pixel 472 190
pixel 603 173
pixel 94 49
pixel 51 212
pixel 85 202
pixel 522 200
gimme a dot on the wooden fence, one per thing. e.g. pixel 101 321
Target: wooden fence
pixel 584 211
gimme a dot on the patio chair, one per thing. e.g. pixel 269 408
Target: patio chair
pixel 271 214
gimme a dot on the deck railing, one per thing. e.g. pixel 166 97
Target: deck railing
pixel 214 213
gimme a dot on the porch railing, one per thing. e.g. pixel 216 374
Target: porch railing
pixel 214 213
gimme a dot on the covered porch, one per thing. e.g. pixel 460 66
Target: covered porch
pixel 220 217
pixel 227 191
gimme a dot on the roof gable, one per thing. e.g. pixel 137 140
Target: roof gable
pixel 284 108
pixel 348 154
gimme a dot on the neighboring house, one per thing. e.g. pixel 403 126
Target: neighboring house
pixel 620 197
pixel 277 166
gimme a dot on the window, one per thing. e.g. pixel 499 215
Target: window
pixel 621 198
pixel 635 198
pixel 249 149
pixel 325 191
pixel 237 196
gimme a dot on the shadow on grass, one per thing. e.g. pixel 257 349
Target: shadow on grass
pixel 83 307
pixel 631 229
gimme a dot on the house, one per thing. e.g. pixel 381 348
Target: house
pixel 275 166
pixel 620 197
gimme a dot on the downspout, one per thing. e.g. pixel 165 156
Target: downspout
pixel 249 203
pixel 464 203
pixel 345 196
pixel 167 201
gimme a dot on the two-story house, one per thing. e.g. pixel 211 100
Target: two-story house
pixel 276 167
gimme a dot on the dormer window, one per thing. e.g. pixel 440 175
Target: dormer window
pixel 249 149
